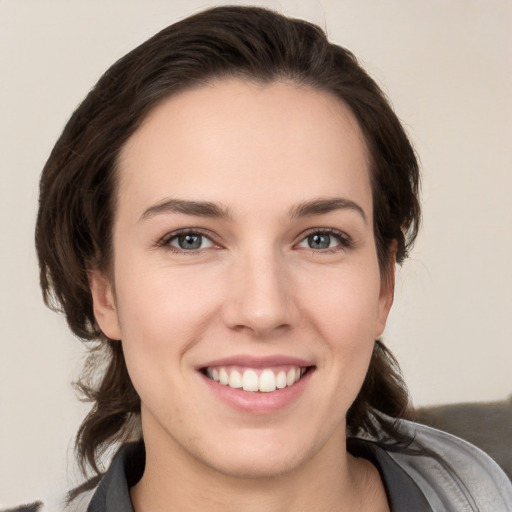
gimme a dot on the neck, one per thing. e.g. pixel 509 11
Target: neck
pixel 330 481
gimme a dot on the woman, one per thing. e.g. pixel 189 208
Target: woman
pixel 223 213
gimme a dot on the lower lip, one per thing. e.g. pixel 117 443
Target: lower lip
pixel 256 402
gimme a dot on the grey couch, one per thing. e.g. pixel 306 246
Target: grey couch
pixel 486 425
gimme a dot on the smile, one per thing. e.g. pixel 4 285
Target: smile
pixel 264 380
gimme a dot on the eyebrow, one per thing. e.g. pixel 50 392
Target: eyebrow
pixel 322 206
pixel 197 208
pixel 213 210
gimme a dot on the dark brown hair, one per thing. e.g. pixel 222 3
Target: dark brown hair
pixel 78 185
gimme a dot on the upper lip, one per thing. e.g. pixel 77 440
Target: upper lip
pixel 252 361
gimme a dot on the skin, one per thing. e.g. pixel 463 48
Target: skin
pixel 254 287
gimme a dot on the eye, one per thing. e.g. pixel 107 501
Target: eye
pixel 187 241
pixel 325 240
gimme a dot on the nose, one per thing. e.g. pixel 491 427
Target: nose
pixel 260 296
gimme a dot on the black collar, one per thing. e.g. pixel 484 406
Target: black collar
pixel 403 493
pixel 113 495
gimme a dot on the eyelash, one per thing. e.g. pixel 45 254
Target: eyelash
pixel 344 241
pixel 166 240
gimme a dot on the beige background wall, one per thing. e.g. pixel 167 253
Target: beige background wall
pixel 446 64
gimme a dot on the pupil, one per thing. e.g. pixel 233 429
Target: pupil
pixel 319 241
pixel 190 241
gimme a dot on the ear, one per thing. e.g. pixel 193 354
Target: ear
pixel 104 305
pixel 387 291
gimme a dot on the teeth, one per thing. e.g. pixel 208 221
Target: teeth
pixel 266 382
pixel 223 377
pixel 235 379
pixel 250 381
pixel 281 380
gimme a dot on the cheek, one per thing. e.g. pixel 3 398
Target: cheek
pixel 162 312
pixel 162 315
pixel 346 314
pixel 345 302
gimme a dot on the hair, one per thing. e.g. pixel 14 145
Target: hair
pixel 78 187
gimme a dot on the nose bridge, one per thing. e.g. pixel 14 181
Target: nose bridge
pixel 260 298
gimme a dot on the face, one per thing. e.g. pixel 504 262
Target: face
pixel 246 288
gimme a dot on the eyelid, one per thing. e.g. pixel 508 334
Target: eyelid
pixel 166 239
pixel 345 241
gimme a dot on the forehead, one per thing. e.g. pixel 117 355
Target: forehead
pixel 264 142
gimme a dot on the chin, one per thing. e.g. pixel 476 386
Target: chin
pixel 261 466
pixel 254 457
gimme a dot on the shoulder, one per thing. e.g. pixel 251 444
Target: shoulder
pixel 57 503
pixel 107 492
pixel 451 471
